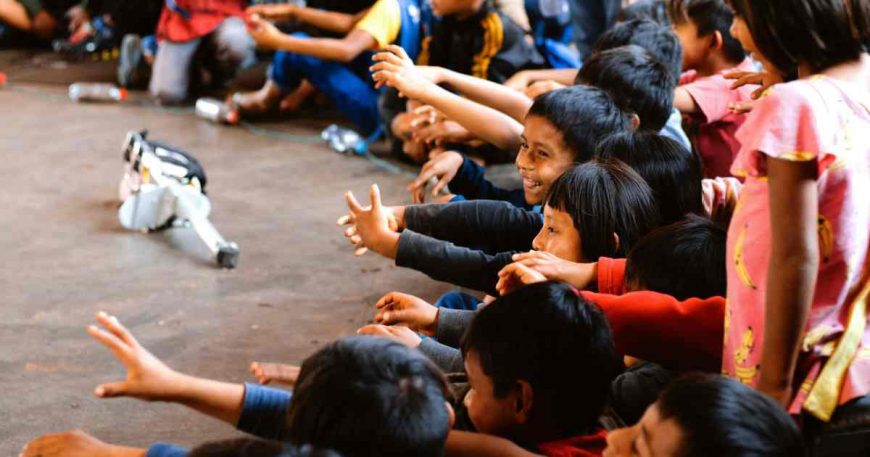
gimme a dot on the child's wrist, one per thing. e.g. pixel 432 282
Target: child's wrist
pixel 387 245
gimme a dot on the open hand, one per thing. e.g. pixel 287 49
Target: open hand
pixel 397 308
pixel 147 377
pixel 516 275
pixel 76 444
pixel 760 78
pixel 371 227
pixel 579 275
pixel 442 167
pixel 443 132
pixel 395 69
pixel 264 32
pixel 398 334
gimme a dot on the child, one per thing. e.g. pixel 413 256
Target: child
pixel 696 416
pixel 673 173
pixel 634 79
pixel 561 129
pixel 687 303
pixel 402 395
pixel 185 26
pixel 336 67
pixel 539 364
pixel 710 51
pixel 797 243
pixel 611 203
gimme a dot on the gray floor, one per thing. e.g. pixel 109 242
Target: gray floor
pixel 64 257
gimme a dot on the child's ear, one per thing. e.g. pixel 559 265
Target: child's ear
pixel 451 414
pixel 717 40
pixel 635 121
pixel 525 399
pixel 615 241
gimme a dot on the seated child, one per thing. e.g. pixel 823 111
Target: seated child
pixel 402 395
pixel 633 78
pixel 611 205
pixel 560 130
pixel 187 25
pixel 539 364
pixel 682 263
pixel 337 67
pixel 710 51
pixel 696 416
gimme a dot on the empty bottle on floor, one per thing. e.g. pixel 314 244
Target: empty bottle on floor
pixel 344 140
pixel 216 111
pixel 96 92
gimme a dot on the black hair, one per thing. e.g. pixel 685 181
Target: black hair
pixel 645 9
pixel 547 335
pixel 658 39
pixel 830 31
pixel 684 260
pixel 636 80
pixel 673 173
pixel 366 396
pixel 604 197
pixel 720 417
pixel 584 115
pixel 709 16
pixel 249 447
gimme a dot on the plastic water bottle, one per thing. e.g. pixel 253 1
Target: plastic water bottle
pixel 344 140
pixel 96 92
pixel 216 111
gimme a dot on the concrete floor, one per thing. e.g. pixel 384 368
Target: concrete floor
pixel 65 257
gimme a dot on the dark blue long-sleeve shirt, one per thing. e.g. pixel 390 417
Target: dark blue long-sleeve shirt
pixel 471 184
pixel 264 414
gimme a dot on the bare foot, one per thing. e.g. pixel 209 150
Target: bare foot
pixel 76 444
pixel 268 372
pixel 294 100
pixel 257 102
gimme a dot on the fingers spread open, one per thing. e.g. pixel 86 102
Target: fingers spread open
pixel 352 204
pixel 121 350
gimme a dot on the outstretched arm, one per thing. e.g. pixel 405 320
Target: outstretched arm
pixel 395 69
pixel 334 49
pixel 496 96
pixel 150 379
pixel 331 21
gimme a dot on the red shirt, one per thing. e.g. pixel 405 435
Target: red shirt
pixel 192 19
pixel 578 446
pixel 684 335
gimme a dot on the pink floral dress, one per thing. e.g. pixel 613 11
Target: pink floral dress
pixel 828 121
